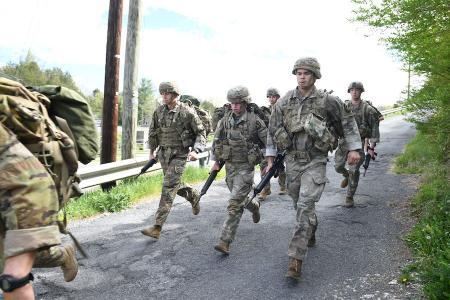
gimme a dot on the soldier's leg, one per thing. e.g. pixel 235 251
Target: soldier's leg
pixel 171 183
pixel 354 179
pixel 282 182
pixel 293 179
pixel 241 180
pixel 266 190
pixel 313 183
pixel 340 156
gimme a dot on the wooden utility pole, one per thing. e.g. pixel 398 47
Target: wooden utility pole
pixel 111 92
pixel 130 87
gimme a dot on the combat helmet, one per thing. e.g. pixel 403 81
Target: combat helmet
pixel 168 87
pixel 273 92
pixel 239 94
pixel 308 63
pixel 355 85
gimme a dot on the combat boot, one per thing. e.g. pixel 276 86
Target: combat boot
pixel 154 231
pixel 344 182
pixel 294 268
pixel 349 201
pixel 70 264
pixel 196 203
pixel 282 190
pixel 223 247
pixel 264 193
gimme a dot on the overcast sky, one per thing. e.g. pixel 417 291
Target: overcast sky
pixel 208 47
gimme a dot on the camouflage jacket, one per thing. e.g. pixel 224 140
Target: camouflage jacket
pixel 367 119
pixel 310 126
pixel 179 128
pixel 240 139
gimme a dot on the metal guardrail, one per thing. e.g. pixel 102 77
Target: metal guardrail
pixel 99 174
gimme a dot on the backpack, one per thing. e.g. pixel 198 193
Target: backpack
pixel 72 107
pixel 219 112
pixel 26 114
pixel 204 115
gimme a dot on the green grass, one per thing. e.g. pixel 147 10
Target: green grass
pixel 429 239
pixel 128 192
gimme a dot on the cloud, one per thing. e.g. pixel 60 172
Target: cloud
pixel 209 46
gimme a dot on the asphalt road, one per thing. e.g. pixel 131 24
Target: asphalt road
pixel 358 255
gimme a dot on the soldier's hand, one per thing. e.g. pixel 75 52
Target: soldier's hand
pixel 192 156
pixel 151 156
pixel 353 157
pixel 215 166
pixel 295 204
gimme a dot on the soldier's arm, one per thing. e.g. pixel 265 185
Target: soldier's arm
pixel 374 124
pixel 219 134
pixel 153 134
pixel 200 133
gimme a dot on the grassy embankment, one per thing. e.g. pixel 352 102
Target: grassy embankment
pixel 128 192
pixel 429 239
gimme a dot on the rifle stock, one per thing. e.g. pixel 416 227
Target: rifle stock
pixel 212 176
pixel 278 165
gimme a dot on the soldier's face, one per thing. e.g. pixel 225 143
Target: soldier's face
pixel 273 99
pixel 168 98
pixel 355 93
pixel 238 108
pixel 305 78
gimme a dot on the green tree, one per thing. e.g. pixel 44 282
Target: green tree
pixel 96 102
pixel 146 100
pixel 29 73
pixel 208 106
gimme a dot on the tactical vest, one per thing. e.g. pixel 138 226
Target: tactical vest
pixel 239 145
pixel 175 133
pixel 307 124
pixel 361 114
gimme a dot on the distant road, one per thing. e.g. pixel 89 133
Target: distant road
pixel 358 255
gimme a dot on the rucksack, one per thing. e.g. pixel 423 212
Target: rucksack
pixel 220 112
pixel 26 114
pixel 204 115
pixel 72 107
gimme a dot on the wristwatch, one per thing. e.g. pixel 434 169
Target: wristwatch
pixel 9 283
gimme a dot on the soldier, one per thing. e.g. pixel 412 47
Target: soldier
pixel 367 119
pixel 240 135
pixel 273 95
pixel 306 123
pixel 178 133
pixel 29 235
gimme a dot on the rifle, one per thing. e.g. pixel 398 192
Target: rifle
pixel 278 165
pixel 367 156
pixel 212 176
pixel 147 166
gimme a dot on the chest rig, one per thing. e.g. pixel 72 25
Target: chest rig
pixel 239 142
pixel 174 130
pixel 361 115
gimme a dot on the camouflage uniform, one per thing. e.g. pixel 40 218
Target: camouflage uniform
pixel 175 132
pixel 28 205
pixel 368 125
pixel 238 141
pixel 307 128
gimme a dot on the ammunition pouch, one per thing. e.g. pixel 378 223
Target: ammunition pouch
pixel 317 128
pixel 282 139
pixel 187 138
pixel 255 155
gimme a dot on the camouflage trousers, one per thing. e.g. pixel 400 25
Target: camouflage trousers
pixel 239 180
pixel 281 177
pixel 305 184
pixel 350 172
pixel 28 207
pixel 173 170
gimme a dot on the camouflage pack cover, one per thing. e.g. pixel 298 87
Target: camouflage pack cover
pixel 72 107
pixel 204 115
